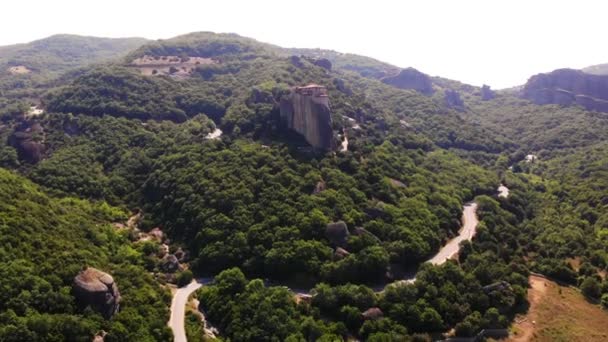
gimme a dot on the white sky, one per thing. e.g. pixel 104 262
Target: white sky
pixel 500 43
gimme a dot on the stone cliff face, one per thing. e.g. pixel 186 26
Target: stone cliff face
pixel 567 87
pixel 306 111
pixel 28 140
pixel 411 78
pixel 487 93
pixel 97 289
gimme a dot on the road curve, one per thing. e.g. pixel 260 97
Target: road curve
pixel 178 308
pixel 468 230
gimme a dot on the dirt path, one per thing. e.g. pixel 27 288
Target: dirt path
pixel 525 325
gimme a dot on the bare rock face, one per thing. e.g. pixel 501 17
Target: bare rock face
pixel 568 87
pixel 306 111
pixel 452 100
pixel 97 289
pixel 487 93
pixel 28 140
pixel 411 78
pixel 337 233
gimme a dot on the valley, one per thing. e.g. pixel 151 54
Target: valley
pixel 293 195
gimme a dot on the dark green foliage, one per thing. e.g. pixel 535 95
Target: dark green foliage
pixel 45 243
pixel 119 92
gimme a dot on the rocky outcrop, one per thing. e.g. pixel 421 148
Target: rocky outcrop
pixel 170 264
pixel 323 63
pixel 342 87
pixel 28 140
pixel 487 93
pixel 372 314
pixel 452 100
pixel 340 253
pixel 337 233
pixel 296 61
pixel 568 87
pixel 98 290
pixel 306 111
pixel 411 78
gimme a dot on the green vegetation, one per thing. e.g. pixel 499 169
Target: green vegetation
pixel 256 202
pixel 45 241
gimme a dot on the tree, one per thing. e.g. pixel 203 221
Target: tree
pixel 591 288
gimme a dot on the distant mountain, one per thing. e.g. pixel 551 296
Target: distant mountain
pixel 599 69
pixel 59 53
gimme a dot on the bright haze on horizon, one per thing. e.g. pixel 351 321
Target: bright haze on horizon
pixel 500 43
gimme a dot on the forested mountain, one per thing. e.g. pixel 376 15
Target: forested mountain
pixel 188 137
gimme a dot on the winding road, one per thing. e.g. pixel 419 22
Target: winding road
pixel 466 233
pixel 178 307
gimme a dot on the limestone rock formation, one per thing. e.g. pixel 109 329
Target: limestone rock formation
pixel 98 290
pixel 411 78
pixel 568 87
pixel 487 93
pixel 306 111
pixel 452 100
pixel 28 140
pixel 337 233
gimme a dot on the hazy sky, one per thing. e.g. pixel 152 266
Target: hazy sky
pixel 500 43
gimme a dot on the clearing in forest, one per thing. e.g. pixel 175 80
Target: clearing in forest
pixel 559 313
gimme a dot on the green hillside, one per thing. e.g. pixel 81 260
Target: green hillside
pixel 131 133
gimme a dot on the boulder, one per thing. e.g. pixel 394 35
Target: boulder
pixel 568 87
pixel 411 78
pixel 28 140
pixel 169 263
pixel 156 234
pixel 487 93
pixel 372 314
pixel 341 253
pixel 98 290
pixel 181 255
pixel 337 233
pixel 319 187
pixel 306 111
pixel 452 100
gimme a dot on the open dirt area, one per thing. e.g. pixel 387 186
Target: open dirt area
pixel 559 313
pixel 169 65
